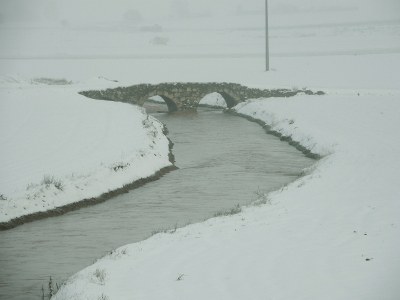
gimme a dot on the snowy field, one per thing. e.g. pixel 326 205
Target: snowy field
pixel 332 234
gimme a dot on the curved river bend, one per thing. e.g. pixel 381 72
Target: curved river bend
pixel 223 160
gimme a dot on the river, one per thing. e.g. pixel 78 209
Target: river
pixel 223 161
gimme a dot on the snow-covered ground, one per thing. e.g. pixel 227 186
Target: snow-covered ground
pixel 333 234
pixel 58 147
pixel 213 99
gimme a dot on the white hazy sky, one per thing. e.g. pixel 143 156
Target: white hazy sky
pixel 153 10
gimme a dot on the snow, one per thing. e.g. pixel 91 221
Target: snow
pixel 213 99
pixel 59 147
pixel 332 234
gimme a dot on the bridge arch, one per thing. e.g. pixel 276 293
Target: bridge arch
pixel 230 101
pixel 172 107
pixel 171 104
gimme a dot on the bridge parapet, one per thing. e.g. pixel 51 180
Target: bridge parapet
pixel 186 96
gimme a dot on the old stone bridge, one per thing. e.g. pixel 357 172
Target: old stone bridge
pixel 186 96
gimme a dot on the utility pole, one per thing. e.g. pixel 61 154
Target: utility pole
pixel 266 38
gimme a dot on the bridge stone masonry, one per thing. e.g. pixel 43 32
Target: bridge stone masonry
pixel 186 96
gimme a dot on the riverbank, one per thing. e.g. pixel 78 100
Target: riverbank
pixel 332 234
pixel 56 159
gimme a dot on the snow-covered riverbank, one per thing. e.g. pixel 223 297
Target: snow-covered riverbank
pixel 333 234
pixel 58 147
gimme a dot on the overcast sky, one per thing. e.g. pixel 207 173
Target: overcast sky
pixel 151 10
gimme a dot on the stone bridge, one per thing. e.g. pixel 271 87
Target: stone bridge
pixel 186 96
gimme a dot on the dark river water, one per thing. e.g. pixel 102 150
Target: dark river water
pixel 223 161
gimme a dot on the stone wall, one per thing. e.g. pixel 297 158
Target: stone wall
pixel 186 96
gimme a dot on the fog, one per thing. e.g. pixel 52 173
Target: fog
pixel 151 11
